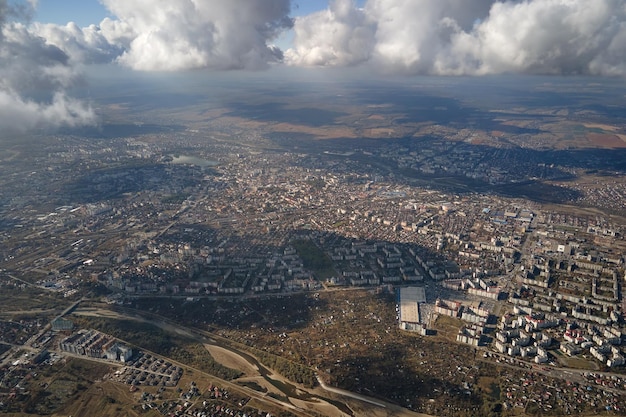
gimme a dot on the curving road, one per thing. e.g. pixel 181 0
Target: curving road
pixel 349 394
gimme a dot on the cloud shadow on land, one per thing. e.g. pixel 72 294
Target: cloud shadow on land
pixel 528 173
pixel 101 185
pixel 350 337
pixel 120 130
pixel 282 113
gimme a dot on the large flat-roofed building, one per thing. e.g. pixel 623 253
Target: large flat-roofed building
pixel 408 307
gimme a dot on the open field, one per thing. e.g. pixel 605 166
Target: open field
pixel 600 126
pixel 607 141
pixel 447 327
pixel 16 300
pixel 577 362
pixel 232 360
pixel 109 398
pixel 55 387
pixel 369 352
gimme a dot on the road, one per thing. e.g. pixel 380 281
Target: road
pixel 567 374
pixel 30 284
pixel 49 325
pixel 349 394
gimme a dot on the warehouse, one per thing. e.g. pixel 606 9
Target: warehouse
pixel 409 299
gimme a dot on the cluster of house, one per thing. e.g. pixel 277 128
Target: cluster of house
pixel 476 315
pixel 475 286
pixel 96 345
pixel 374 263
pixel 529 335
pixel 526 336
pixel 603 344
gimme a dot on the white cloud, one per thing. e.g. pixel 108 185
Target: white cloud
pixel 90 45
pixel 169 35
pixel 467 37
pixel 20 114
pixel 397 36
pixel 33 79
pixel 451 37
pixel 185 34
pixel 342 35
pixel 540 36
pixel 38 61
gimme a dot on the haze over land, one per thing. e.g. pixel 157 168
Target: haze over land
pixel 305 208
pixel 41 61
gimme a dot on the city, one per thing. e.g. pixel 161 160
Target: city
pixel 316 208
pixel 531 282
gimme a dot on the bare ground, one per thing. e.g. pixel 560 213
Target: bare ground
pixel 235 361
pixel 232 360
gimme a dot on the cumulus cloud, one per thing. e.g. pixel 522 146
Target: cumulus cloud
pixel 467 37
pixel 342 35
pixel 95 44
pixel 38 62
pixel 398 36
pixel 33 78
pixel 184 34
pixel 410 34
pixel 542 36
pixel 169 35
pixel 20 114
pixel 450 37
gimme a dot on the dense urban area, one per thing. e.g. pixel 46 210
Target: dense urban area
pixel 241 272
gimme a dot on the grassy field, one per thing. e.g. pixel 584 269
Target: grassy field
pixel 577 362
pixel 448 327
pixel 14 298
pixel 314 259
pixel 52 388
pixel 110 399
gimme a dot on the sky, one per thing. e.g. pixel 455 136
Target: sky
pixel 86 12
pixel 45 45
pixel 60 12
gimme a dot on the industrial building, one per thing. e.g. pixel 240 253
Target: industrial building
pixel 408 308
